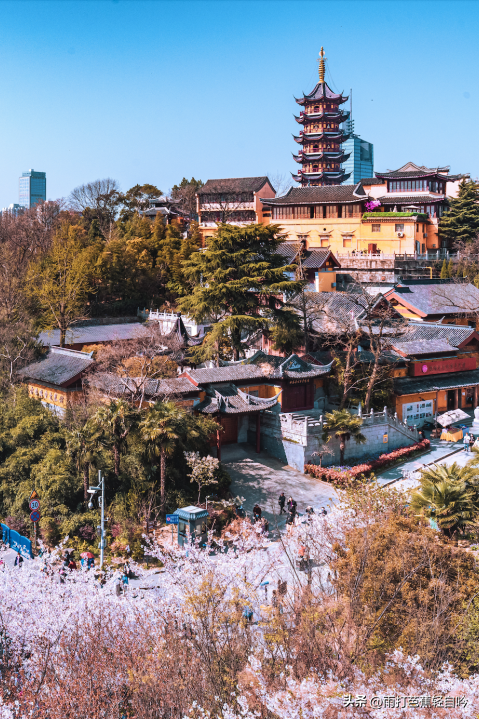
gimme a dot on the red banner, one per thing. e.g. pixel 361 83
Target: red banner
pixel 440 366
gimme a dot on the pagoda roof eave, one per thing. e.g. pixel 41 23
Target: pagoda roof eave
pixel 322 91
pixel 338 137
pixel 341 116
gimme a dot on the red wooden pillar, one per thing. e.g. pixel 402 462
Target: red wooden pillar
pixel 475 396
pixel 456 399
pixel 218 440
pixel 258 433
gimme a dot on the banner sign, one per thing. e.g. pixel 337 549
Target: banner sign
pixel 172 519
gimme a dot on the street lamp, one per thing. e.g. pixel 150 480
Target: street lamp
pixel 101 501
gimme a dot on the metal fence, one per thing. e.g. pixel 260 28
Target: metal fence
pixel 16 541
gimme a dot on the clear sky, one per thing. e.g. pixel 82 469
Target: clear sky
pixel 144 91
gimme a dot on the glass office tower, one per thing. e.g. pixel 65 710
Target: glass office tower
pixel 360 163
pixel 32 188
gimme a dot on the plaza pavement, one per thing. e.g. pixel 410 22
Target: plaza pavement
pixel 261 478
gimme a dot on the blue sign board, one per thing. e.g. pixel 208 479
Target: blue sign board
pixel 16 541
pixel 172 519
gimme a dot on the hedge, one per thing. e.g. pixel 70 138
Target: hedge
pixel 345 476
pixel 378 215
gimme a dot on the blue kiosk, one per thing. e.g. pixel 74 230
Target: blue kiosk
pixel 192 522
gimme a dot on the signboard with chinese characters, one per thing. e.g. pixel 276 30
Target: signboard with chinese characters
pixel 416 413
pixel 440 366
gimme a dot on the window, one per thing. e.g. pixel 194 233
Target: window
pixel 315 148
pixel 315 168
pixel 398 228
pixel 423 248
pixel 325 241
pixel 347 241
pixel 375 228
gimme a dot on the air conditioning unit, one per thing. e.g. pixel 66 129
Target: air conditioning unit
pixel 400 234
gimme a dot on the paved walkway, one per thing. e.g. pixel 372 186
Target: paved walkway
pixel 261 478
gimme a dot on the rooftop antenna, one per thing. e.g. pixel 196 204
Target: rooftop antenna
pixel 351 123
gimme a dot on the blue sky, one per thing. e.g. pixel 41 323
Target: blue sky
pixel 151 91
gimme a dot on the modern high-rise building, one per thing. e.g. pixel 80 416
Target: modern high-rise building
pixel 32 188
pixel 360 163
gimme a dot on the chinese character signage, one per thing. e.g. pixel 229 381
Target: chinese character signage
pixel 440 366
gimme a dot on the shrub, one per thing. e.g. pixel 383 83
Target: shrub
pixel 345 475
pixel 87 532
pixel 17 523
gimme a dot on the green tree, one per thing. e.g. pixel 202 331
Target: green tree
pixel 111 425
pixel 185 192
pixel 83 447
pixel 450 268
pixel 444 270
pixel 239 280
pixel 345 426
pixel 460 225
pixel 161 429
pixel 59 283
pixel 444 495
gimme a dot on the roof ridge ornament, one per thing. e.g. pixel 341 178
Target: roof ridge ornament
pixel 322 67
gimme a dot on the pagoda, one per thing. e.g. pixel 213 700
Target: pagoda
pixel 321 138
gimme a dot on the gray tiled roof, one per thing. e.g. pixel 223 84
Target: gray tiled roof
pixel 406 385
pixel 312 259
pixel 319 195
pixel 372 181
pixel 439 298
pixel 113 384
pixel 455 334
pixel 234 184
pixel 231 400
pixel 410 200
pixel 95 333
pixel 423 347
pixel 59 367
pixel 420 172
pixel 260 366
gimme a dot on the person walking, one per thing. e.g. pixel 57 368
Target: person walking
pixel 282 502
pixel 256 513
pixel 471 442
pixel 323 511
pixel 466 442
pixel 125 582
pixel 18 560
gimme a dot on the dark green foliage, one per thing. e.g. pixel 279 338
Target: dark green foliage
pixel 460 225
pixel 38 451
pixel 239 280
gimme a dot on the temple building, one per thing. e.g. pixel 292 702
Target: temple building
pixel 321 138
pixel 234 200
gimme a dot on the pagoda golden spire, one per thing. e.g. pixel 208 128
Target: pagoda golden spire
pixel 322 68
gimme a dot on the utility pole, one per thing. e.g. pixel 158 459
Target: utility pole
pixel 101 500
pixel 101 483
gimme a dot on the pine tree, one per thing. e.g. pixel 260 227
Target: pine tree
pixel 460 225
pixel 450 268
pixel 239 279
pixel 444 272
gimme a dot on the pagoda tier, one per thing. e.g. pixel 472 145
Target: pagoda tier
pixel 341 116
pixel 322 92
pixel 321 119
pixel 321 137
pixel 325 177
pixel 327 155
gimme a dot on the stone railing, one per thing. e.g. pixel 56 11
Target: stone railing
pixel 294 426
